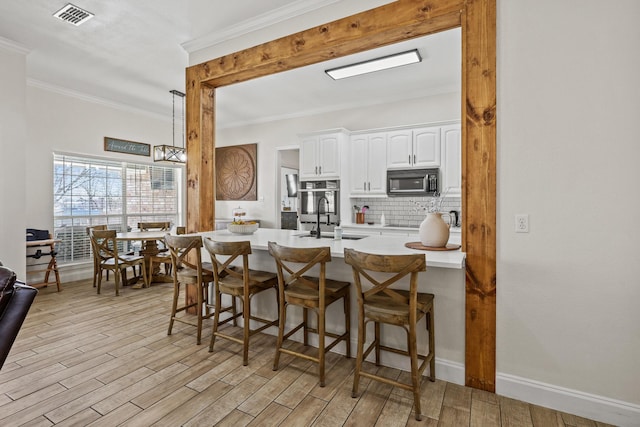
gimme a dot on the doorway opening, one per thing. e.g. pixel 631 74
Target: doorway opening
pixel 287 166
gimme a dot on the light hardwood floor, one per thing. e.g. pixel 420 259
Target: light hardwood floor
pixel 85 359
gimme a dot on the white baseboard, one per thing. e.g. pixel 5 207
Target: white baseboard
pixel 449 371
pixel 575 402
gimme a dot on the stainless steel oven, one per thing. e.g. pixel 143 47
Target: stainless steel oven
pixel 310 196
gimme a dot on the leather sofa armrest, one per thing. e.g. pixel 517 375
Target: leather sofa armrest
pixel 15 300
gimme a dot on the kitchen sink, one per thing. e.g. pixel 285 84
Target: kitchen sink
pixel 330 236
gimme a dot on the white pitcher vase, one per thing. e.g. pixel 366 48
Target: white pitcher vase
pixel 434 232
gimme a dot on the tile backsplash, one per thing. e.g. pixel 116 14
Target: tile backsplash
pixel 399 211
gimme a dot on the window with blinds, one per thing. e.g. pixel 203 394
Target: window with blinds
pixel 88 192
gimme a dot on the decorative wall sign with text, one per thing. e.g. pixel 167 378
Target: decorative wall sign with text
pixel 236 172
pixel 127 147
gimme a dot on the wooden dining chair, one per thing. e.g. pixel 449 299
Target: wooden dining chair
pixel 154 226
pixel 187 269
pixel 162 257
pixel 379 303
pixel 106 246
pixel 94 253
pixel 241 283
pixel 296 288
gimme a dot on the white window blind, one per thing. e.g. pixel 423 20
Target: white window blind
pixel 89 192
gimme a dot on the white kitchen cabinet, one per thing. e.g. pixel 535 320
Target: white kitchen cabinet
pixel 400 149
pixel 426 147
pixel 367 164
pixel 414 148
pixel 320 154
pixel 451 161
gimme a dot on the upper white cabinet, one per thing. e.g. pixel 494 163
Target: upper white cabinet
pixel 414 148
pixel 400 149
pixel 320 154
pixel 367 164
pixel 451 160
pixel 426 147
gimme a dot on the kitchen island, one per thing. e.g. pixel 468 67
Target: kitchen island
pixel 444 278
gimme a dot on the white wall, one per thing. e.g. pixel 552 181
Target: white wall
pixel 64 123
pixel 13 137
pixel 568 105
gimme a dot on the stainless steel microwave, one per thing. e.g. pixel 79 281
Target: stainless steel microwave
pixel 413 182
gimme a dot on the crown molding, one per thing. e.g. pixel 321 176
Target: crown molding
pixel 13 47
pixel 256 23
pixel 338 107
pixel 94 99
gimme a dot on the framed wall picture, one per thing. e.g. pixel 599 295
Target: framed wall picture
pixel 126 147
pixel 237 172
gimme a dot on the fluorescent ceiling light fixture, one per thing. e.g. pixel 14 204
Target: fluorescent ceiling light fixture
pixel 378 64
pixel 73 14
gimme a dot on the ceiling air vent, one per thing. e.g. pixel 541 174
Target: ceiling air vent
pixel 73 14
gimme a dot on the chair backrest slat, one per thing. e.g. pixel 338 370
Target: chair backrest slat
pixel 155 226
pixel 105 244
pixel 96 227
pixel 397 267
pixel 230 250
pixel 297 261
pixel 185 251
pixel 94 250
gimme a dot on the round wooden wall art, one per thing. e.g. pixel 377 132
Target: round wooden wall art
pixel 236 172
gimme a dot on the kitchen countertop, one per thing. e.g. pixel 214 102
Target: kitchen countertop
pixel 385 245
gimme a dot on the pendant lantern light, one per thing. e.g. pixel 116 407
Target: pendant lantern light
pixel 173 153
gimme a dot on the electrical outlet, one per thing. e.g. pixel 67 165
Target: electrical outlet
pixel 522 223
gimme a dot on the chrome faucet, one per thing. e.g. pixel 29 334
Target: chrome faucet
pixel 318 219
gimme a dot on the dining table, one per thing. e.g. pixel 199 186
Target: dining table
pixel 149 249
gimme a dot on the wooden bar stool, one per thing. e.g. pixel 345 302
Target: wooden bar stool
pixel 241 283
pixel 381 304
pixel 187 269
pixel 310 293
